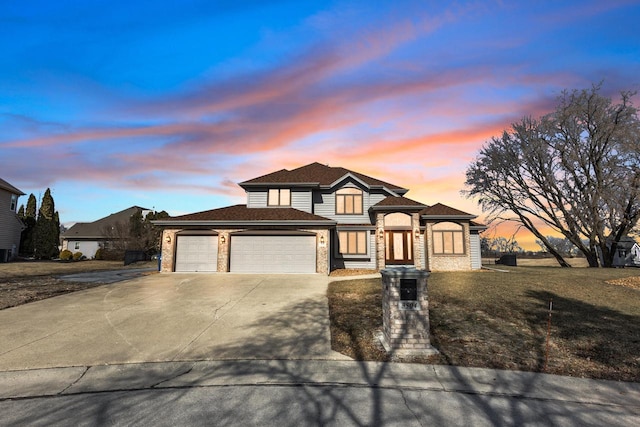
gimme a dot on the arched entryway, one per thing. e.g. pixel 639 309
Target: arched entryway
pixel 398 239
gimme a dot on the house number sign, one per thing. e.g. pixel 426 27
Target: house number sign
pixel 409 305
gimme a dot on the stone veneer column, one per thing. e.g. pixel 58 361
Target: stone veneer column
pixel 405 322
pixel 223 252
pixel 322 251
pixel 380 243
pixel 415 225
pixel 167 250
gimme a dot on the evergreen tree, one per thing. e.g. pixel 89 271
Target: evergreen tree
pixel 47 229
pixel 21 212
pixel 27 240
pixel 31 207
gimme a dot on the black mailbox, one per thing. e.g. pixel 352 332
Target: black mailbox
pixel 408 289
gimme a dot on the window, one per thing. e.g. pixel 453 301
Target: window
pixel 14 202
pixel 279 197
pixel 349 201
pixel 448 239
pixel 353 242
pixel 77 245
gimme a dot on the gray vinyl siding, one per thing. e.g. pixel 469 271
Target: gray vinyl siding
pixel 476 259
pixel 10 225
pixel 367 263
pixel 300 199
pixel 257 198
pixel 327 207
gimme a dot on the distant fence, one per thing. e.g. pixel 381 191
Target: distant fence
pixel 134 256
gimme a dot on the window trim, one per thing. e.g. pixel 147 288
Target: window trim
pixel 353 198
pixel 278 202
pixel 14 202
pixel 452 232
pixel 353 254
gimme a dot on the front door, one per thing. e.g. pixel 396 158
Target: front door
pixel 399 247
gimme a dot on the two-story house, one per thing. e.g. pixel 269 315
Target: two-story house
pixel 318 218
pixel 10 225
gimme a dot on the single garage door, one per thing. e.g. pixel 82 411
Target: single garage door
pixel 197 253
pixel 273 254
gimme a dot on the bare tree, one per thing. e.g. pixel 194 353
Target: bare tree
pixel 576 170
pixel 138 233
pixel 561 244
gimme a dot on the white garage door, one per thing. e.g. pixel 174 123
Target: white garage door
pixel 197 253
pixel 273 254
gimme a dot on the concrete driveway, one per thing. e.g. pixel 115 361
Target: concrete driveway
pixel 169 317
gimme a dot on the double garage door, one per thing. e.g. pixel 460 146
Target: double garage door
pixel 248 254
pixel 273 254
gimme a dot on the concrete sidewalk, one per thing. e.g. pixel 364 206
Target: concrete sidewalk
pixel 309 392
pixel 140 376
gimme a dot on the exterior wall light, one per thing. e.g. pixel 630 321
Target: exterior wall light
pixel 168 238
pixel 223 239
pixel 381 233
pixel 416 233
pixel 322 240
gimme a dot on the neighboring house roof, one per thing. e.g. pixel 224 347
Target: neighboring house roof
pixel 316 174
pixel 4 185
pixel 439 210
pixel 625 242
pixel 241 213
pixel 402 203
pixel 95 230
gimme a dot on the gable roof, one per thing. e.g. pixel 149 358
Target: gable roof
pixel 399 202
pixel 4 185
pixel 439 210
pixel 242 214
pixel 95 230
pixel 626 242
pixel 317 175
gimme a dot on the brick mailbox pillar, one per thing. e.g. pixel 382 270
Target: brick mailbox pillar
pixel 405 313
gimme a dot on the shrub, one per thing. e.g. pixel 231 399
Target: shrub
pixel 77 256
pixel 98 254
pixel 66 255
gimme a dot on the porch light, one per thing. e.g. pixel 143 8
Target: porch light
pixel 322 240
pixel 416 233
pixel 381 233
pixel 168 238
pixel 223 239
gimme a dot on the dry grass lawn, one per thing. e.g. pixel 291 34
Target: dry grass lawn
pixel 28 281
pixel 499 320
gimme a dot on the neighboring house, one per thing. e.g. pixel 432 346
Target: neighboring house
pixel 627 253
pixel 317 218
pixel 88 237
pixel 10 225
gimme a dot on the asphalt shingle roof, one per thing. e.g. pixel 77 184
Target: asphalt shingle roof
pixel 316 173
pixel 242 213
pixel 96 229
pixel 443 210
pixel 399 201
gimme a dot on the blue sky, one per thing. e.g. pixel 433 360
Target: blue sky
pixel 169 104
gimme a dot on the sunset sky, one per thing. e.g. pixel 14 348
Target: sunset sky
pixel 168 105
